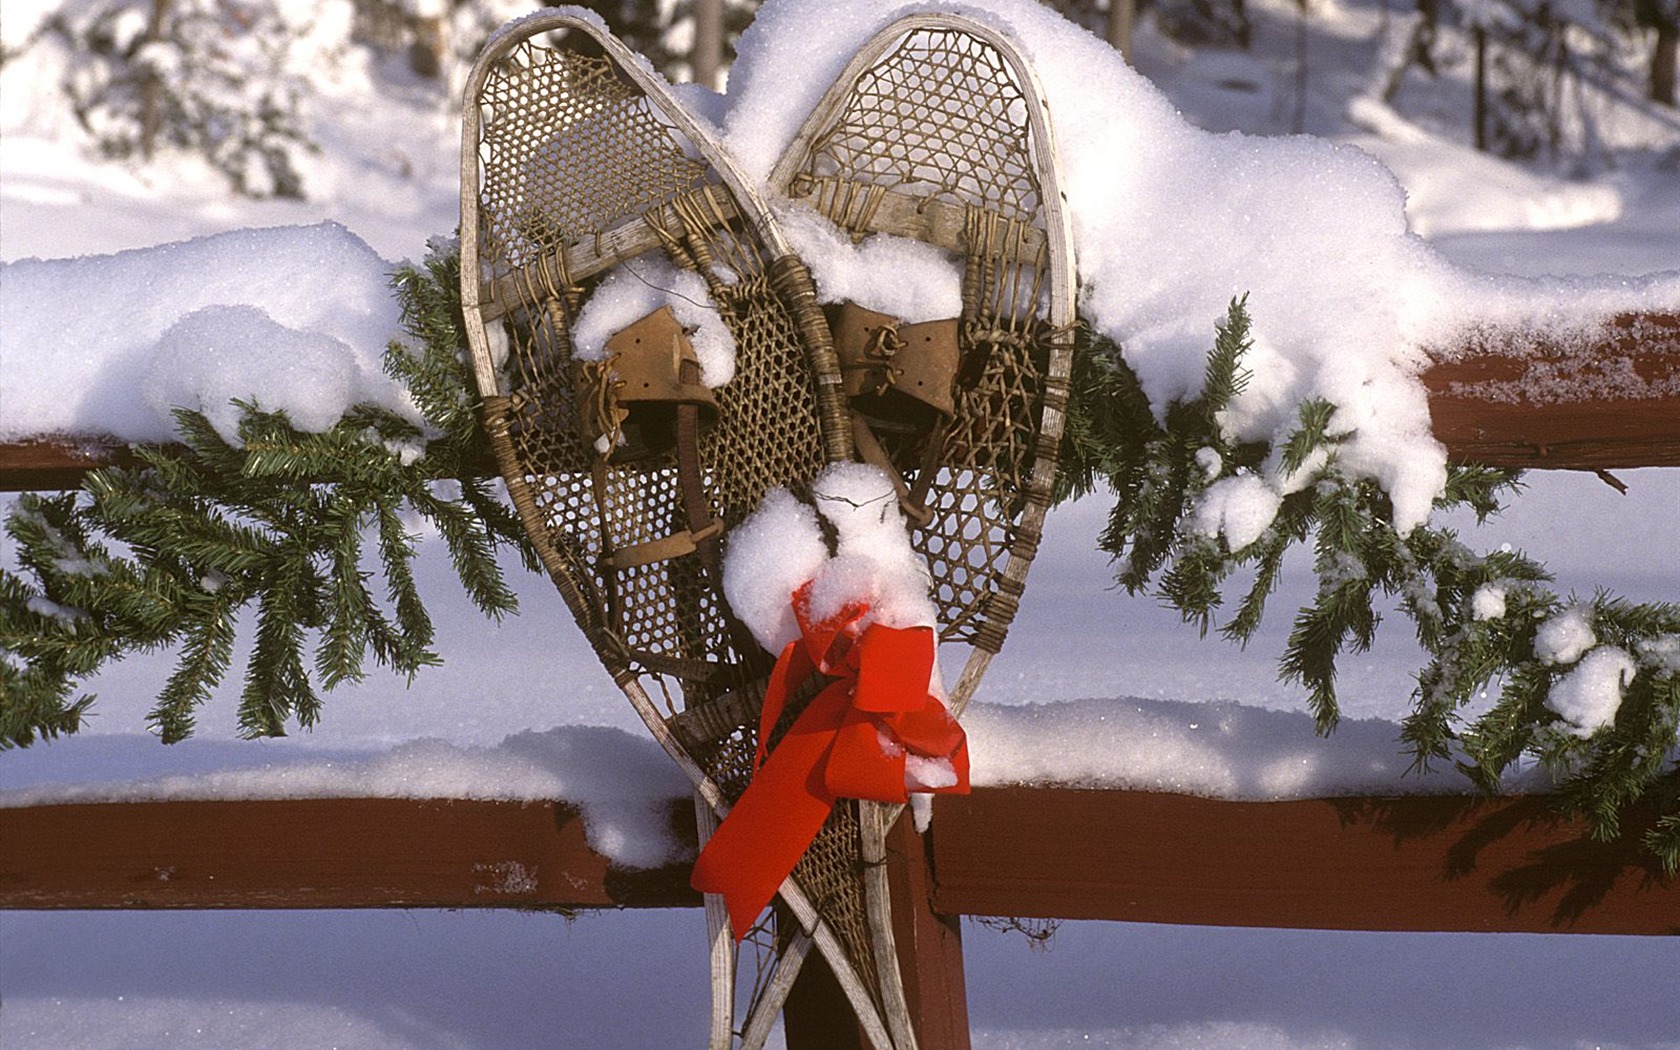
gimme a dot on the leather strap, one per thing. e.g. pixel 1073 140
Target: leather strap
pixel 881 359
pixel 705 530
pixel 598 489
pixel 661 663
pixel 870 448
pixel 676 545
pixel 879 353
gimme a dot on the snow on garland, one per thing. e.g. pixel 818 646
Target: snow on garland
pixel 269 516
pixel 1308 425
pixel 1590 688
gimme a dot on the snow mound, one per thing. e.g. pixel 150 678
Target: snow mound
pixel 294 318
pixel 1172 222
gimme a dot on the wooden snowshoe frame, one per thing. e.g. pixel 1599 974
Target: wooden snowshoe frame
pixel 937 131
pixel 576 160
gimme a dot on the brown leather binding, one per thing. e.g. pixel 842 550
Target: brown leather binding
pixel 626 400
pixel 894 374
pixel 878 354
pixel 642 399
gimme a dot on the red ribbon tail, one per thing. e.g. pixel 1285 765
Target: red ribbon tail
pixel 792 667
pixel 775 820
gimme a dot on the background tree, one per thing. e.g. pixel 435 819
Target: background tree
pixel 222 78
pixel 1662 18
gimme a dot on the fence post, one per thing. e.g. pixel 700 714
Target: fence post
pixel 1480 36
pixel 151 88
pixel 1121 15
pixel 428 54
pixel 929 944
pixel 816 1015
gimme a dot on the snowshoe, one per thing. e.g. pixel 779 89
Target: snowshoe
pixel 936 133
pixel 652 363
pixel 933 147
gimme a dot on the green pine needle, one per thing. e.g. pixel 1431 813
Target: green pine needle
pixel 1156 468
pixel 275 529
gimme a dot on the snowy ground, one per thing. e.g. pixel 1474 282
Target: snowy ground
pixel 483 980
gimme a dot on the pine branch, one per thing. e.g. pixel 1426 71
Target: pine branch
pixel 1476 616
pixel 1225 377
pixel 1664 838
pixel 206 654
pixel 277 521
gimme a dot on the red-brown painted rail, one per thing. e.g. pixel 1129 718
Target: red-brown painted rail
pixel 1606 399
pixel 1449 863
pixel 1416 863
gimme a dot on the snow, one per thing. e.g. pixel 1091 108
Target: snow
pixel 1520 198
pixel 1663 652
pixel 1591 693
pixel 873 560
pixel 907 279
pixel 771 554
pixel 294 318
pixel 1488 603
pixel 493 980
pixel 780 548
pixel 1563 638
pixel 1239 508
pixel 1220 749
pixel 1092 689
pixel 218 355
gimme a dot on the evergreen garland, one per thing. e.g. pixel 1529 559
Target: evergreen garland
pixel 1477 616
pixel 281 526
pixel 169 553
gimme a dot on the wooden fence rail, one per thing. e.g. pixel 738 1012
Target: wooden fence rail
pixel 1427 863
pixel 1421 863
pixel 1602 402
pixel 1614 402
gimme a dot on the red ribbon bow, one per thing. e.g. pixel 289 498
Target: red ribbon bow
pixel 851 742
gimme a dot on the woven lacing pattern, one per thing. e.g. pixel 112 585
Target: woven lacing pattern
pixel 941 117
pixel 569 150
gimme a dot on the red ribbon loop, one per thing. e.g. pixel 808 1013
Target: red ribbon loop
pixel 852 741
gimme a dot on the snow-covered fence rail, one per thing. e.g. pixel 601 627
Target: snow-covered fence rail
pixel 1602 401
pixel 1434 863
pixel 1422 863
